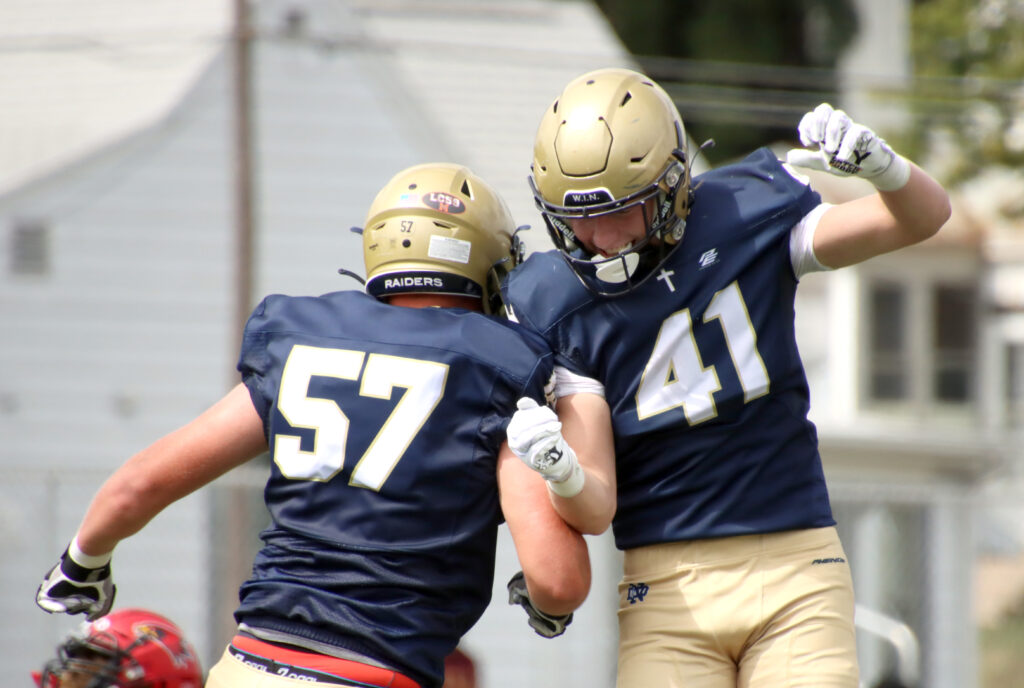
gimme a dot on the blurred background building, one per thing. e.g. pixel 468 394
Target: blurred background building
pixel 161 169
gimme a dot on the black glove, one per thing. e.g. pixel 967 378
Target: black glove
pixel 544 624
pixel 71 588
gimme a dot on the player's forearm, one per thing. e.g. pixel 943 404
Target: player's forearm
pixel 553 556
pixel 920 208
pixel 224 436
pixel 125 503
pixel 586 425
pixel 591 511
pixel 854 231
pixel 562 583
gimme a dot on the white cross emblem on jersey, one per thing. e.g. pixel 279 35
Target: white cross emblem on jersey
pixel 667 276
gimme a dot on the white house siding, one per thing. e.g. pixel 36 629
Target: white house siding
pixel 75 77
pixel 485 71
pixel 123 339
pixel 328 140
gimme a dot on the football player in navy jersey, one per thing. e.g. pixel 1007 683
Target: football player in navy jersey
pixel 670 306
pixel 384 414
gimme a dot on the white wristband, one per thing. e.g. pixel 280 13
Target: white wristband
pixel 89 561
pixel 894 177
pixel 571 486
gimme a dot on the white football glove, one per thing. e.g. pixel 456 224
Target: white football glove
pixel 73 588
pixel 544 624
pixel 846 148
pixel 535 436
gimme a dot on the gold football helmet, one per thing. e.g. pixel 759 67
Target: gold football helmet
pixel 612 140
pixel 439 228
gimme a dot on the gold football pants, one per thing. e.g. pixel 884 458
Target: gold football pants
pixel 751 611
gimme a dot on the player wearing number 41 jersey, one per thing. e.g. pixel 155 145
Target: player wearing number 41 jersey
pixel 707 337
pixel 384 414
pixel 670 306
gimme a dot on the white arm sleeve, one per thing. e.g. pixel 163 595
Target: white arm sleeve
pixel 801 243
pixel 567 383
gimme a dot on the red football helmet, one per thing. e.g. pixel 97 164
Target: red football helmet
pixel 128 648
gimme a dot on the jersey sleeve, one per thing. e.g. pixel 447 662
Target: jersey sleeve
pixel 801 243
pixel 254 360
pixel 519 364
pixel 539 294
pixel 568 382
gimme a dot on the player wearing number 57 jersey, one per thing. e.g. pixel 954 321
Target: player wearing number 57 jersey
pixel 670 306
pixel 384 425
pixel 384 415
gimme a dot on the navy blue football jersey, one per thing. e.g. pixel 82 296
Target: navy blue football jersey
pixel 700 366
pixel 384 424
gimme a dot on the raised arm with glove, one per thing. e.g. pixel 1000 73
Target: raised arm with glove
pixel 910 205
pixel 846 148
pixel 78 583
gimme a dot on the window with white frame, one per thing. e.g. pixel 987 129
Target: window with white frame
pixel 954 331
pixel 889 342
pixel 920 342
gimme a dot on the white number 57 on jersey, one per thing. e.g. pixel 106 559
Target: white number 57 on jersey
pixel 424 382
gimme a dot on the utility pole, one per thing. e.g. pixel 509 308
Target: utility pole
pixel 243 177
pixel 232 503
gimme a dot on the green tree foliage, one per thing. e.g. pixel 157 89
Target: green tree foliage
pixel 969 38
pixel 752 31
pixel 1001 663
pixel 969 96
pixel 741 71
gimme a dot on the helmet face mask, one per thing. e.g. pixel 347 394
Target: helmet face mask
pixel 129 648
pixel 439 229
pixel 91 662
pixel 611 141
